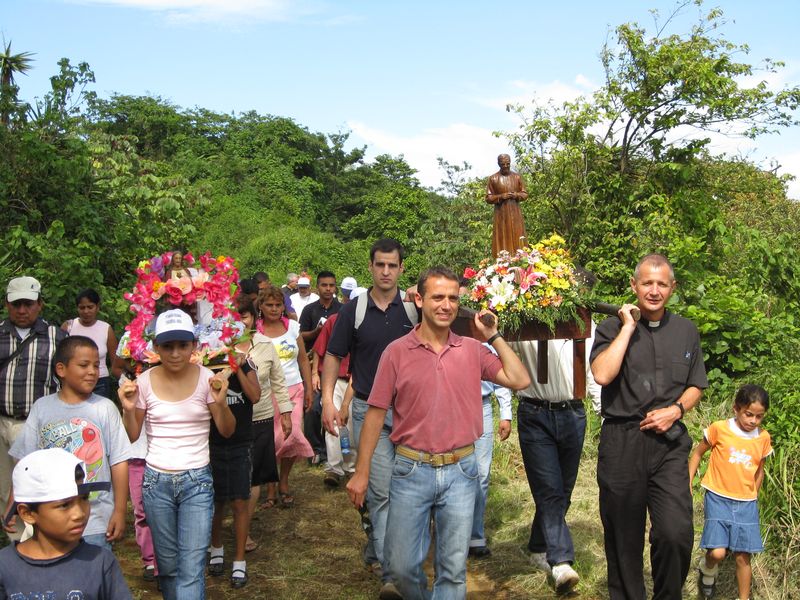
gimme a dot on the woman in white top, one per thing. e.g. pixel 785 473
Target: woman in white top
pixel 100 332
pixel 176 401
pixel 285 336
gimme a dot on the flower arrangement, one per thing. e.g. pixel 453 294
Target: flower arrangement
pixel 216 283
pixel 537 283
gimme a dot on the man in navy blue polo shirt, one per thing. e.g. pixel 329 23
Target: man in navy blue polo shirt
pixel 363 329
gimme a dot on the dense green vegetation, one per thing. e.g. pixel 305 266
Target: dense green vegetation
pixel 89 186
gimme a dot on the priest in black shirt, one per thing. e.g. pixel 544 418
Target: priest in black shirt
pixel 652 372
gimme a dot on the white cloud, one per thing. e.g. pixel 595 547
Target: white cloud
pixel 790 163
pixel 455 143
pixel 522 92
pixel 218 10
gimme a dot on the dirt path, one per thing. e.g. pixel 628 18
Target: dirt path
pixel 313 550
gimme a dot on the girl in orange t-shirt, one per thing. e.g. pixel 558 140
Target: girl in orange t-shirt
pixel 735 472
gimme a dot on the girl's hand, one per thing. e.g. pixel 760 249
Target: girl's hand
pixel 128 394
pixel 308 400
pixel 219 389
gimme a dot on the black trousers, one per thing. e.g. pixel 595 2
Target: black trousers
pixel 312 426
pixel 637 473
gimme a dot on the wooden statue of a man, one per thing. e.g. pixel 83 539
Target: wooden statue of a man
pixel 505 191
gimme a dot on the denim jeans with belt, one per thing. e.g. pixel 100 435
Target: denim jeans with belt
pixel 483 452
pixel 551 442
pixel 380 477
pixel 418 491
pixel 179 507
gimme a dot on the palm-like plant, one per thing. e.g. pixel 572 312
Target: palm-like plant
pixel 11 64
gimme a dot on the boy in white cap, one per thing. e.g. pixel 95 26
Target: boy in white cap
pixel 55 562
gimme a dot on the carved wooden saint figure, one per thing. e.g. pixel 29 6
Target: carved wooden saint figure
pixel 505 191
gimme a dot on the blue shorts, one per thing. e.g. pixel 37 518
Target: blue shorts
pixel 731 524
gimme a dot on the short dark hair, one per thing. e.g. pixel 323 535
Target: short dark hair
pixel 324 274
pixel 90 294
pixel 750 393
pixel 248 286
pixel 657 260
pixel 386 245
pixel 442 272
pixel 66 348
pixel 260 276
pixel 245 306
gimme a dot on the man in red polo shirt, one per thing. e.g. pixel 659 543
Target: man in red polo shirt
pixel 431 378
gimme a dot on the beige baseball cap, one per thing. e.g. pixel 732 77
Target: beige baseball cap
pixel 23 288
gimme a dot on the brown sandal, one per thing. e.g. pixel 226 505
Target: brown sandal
pixel 269 503
pixel 250 544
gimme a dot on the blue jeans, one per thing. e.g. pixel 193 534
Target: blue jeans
pixel 483 452
pixel 551 442
pixel 179 507
pixel 98 539
pixel 419 491
pixel 380 478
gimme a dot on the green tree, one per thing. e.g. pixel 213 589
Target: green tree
pixel 10 65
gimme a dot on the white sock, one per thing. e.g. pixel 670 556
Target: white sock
pixel 239 565
pixel 217 555
pixel 709 574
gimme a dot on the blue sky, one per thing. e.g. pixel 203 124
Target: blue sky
pixel 418 78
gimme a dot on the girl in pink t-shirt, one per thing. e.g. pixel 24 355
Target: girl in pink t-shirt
pixel 175 401
pixel 735 472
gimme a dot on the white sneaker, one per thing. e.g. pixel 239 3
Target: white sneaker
pixel 539 561
pixel 564 578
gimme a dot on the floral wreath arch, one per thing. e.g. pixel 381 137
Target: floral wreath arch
pixel 216 283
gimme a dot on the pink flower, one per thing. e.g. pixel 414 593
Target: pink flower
pixel 184 284
pixel 469 272
pixel 174 293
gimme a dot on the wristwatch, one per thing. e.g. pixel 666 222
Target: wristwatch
pixel 491 340
pixel 680 407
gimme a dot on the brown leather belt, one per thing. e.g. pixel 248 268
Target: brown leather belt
pixel 436 460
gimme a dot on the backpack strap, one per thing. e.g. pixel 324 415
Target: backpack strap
pixel 20 349
pixel 411 312
pixel 361 309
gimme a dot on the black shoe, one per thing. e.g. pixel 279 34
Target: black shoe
pixel 149 574
pixel 331 480
pixel 480 552
pixel 706 589
pixel 238 579
pixel 216 569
